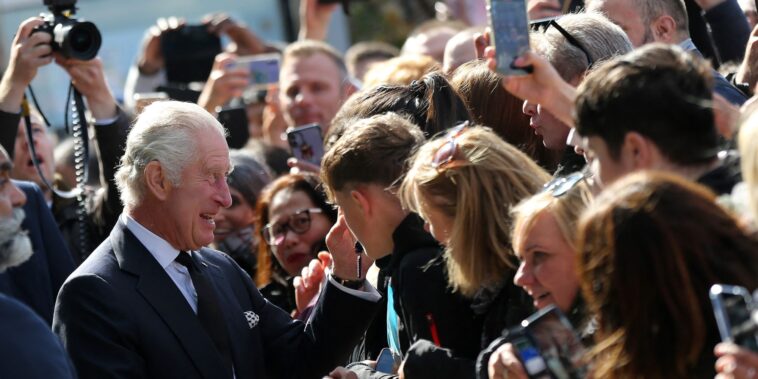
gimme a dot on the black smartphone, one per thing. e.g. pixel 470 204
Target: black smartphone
pixel 510 34
pixel 307 143
pixel 733 307
pixel 234 120
pixel 386 362
pixel 549 348
pixel 189 52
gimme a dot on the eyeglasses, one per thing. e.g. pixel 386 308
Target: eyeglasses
pixel 560 186
pixel 446 153
pixel 573 41
pixel 299 222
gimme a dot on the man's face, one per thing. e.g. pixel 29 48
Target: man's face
pixel 310 90
pixel 624 14
pixel 374 235
pixel 201 194
pixel 604 167
pixel 23 168
pixel 16 246
pixel 553 131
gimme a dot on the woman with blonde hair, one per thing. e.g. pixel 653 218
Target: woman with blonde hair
pixel 545 242
pixel 463 184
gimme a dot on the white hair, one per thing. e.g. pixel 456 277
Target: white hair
pixel 15 245
pixel 166 132
pixel 601 38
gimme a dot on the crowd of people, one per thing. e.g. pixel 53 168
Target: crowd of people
pixel 612 185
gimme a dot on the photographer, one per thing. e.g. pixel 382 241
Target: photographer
pixel 31 50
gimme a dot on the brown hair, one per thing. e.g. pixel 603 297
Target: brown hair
pixel 491 105
pixel 307 48
pixel 400 70
pixel 307 183
pixel 650 248
pixel 372 150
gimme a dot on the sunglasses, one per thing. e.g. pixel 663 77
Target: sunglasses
pixel 299 222
pixel 573 41
pixel 446 153
pixel 562 185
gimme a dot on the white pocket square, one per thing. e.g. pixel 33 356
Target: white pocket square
pixel 252 319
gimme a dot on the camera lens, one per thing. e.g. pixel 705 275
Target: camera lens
pixel 81 41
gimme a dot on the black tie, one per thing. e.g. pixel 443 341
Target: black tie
pixel 208 310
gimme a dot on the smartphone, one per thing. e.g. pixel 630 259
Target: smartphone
pixel 733 307
pixel 143 99
pixel 307 143
pixel 264 69
pixel 189 52
pixel 549 348
pixel 386 362
pixel 234 119
pixel 510 34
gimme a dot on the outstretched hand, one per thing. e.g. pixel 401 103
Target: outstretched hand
pixel 543 86
pixel 224 83
pixel 89 78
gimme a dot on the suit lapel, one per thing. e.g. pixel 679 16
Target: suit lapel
pixel 233 314
pixel 161 293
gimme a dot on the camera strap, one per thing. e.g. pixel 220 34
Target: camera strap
pixel 81 157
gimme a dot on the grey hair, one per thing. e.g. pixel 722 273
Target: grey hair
pixel 601 38
pixel 650 10
pixel 165 131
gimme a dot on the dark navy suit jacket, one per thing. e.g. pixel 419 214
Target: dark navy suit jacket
pixel 36 282
pixel 120 315
pixel 29 349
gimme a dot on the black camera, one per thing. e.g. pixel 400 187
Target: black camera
pixel 71 37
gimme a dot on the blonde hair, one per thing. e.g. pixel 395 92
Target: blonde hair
pixel 565 209
pixel 476 190
pixel 400 70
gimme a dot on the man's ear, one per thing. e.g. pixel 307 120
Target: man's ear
pixel 665 30
pixel 156 181
pixel 362 200
pixel 638 151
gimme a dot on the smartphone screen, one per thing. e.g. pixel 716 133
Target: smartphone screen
pixel 558 344
pixel 510 33
pixel 534 365
pixel 307 143
pixel 264 69
pixel 733 308
pixel 386 361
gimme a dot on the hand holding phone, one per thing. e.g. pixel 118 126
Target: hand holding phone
pixel 307 143
pixel 263 69
pixel 733 308
pixel 548 348
pixel 510 34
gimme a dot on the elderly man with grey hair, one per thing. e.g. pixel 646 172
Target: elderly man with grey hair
pixel 152 301
pixel 573 44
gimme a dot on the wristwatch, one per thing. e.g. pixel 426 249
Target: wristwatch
pixel 353 284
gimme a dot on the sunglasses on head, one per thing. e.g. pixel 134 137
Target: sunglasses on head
pixel 445 154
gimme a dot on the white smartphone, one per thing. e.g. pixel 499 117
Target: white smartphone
pixel 264 69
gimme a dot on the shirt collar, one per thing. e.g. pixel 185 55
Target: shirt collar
pixel 160 249
pixel 688 45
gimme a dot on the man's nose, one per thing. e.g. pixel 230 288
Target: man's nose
pixel 223 196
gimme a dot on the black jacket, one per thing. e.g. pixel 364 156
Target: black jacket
pixel 422 297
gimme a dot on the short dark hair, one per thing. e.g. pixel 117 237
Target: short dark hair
pixel 659 91
pixel 374 150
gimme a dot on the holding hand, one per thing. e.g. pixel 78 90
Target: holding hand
pixel 224 83
pixel 150 60
pixel 314 19
pixel 89 78
pixel 735 362
pixel 543 86
pixel 504 364
pixel 308 284
pixel 29 52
